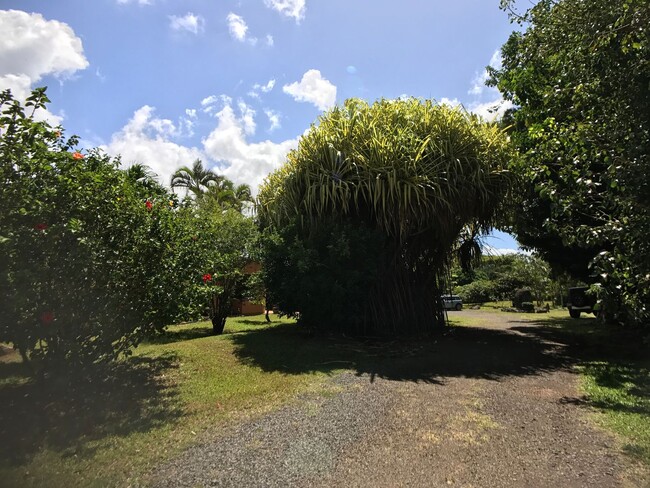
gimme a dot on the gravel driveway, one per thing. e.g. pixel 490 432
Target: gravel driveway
pixel 495 406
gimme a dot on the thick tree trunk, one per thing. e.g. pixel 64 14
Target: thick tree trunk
pixel 218 324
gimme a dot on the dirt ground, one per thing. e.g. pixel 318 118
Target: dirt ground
pixel 495 406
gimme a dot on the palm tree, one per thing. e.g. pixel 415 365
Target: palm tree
pixel 224 195
pixel 144 177
pixel 196 179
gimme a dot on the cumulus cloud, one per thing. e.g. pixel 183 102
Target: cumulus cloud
pixel 269 40
pixel 492 110
pixel 210 104
pixel 478 83
pixel 449 102
pixel 274 119
pixel 243 161
pixel 189 23
pixel 313 88
pixel 488 102
pixel 247 117
pixel 289 8
pixel 149 140
pixel 32 47
pixel 146 139
pixel 238 29
pixel 257 88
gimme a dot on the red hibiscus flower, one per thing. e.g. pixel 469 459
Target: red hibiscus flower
pixel 77 155
pixel 47 318
pixel 149 205
pixel 207 277
pixel 40 227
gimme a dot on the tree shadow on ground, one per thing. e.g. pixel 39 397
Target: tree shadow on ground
pixel 260 322
pixel 174 334
pixel 458 352
pixel 69 411
pixel 616 358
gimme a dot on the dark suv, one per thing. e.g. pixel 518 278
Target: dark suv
pixel 579 301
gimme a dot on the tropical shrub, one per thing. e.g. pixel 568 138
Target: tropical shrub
pixel 479 291
pixel 228 242
pixel 523 295
pixel 89 264
pixel 410 175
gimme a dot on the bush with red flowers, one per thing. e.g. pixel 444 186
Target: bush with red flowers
pixel 86 269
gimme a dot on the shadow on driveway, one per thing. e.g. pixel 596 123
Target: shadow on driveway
pixel 458 352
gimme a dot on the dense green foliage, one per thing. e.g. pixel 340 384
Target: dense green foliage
pixel 94 258
pixel 497 278
pixel 579 77
pixel 371 204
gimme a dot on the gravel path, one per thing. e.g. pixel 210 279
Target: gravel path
pixel 493 407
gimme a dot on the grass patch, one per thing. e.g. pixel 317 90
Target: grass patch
pixel 620 390
pixel 111 429
pixel 614 363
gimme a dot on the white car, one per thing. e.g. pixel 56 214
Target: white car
pixel 452 302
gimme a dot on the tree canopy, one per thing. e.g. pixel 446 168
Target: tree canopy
pixel 371 203
pixel 579 75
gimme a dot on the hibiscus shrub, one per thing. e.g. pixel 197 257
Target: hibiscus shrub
pixel 89 265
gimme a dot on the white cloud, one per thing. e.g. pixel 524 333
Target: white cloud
pixel 288 8
pixel 269 40
pixel 238 29
pixel 210 103
pixel 35 47
pixel 139 2
pixel 209 100
pixel 32 47
pixel 243 161
pixel 488 102
pixel 20 85
pixel 189 22
pixel 263 88
pixel 493 251
pixel 247 117
pixel 146 139
pixel 450 102
pixel 274 119
pixel 492 110
pixel 478 83
pixel 149 140
pixel 268 87
pixel 313 88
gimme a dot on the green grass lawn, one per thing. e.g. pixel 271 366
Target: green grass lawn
pixel 112 430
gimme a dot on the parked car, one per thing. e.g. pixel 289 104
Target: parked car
pixel 579 301
pixel 452 302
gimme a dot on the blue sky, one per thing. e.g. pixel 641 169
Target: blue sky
pixel 236 83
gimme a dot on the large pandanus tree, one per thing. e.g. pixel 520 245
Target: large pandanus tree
pixel 364 215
